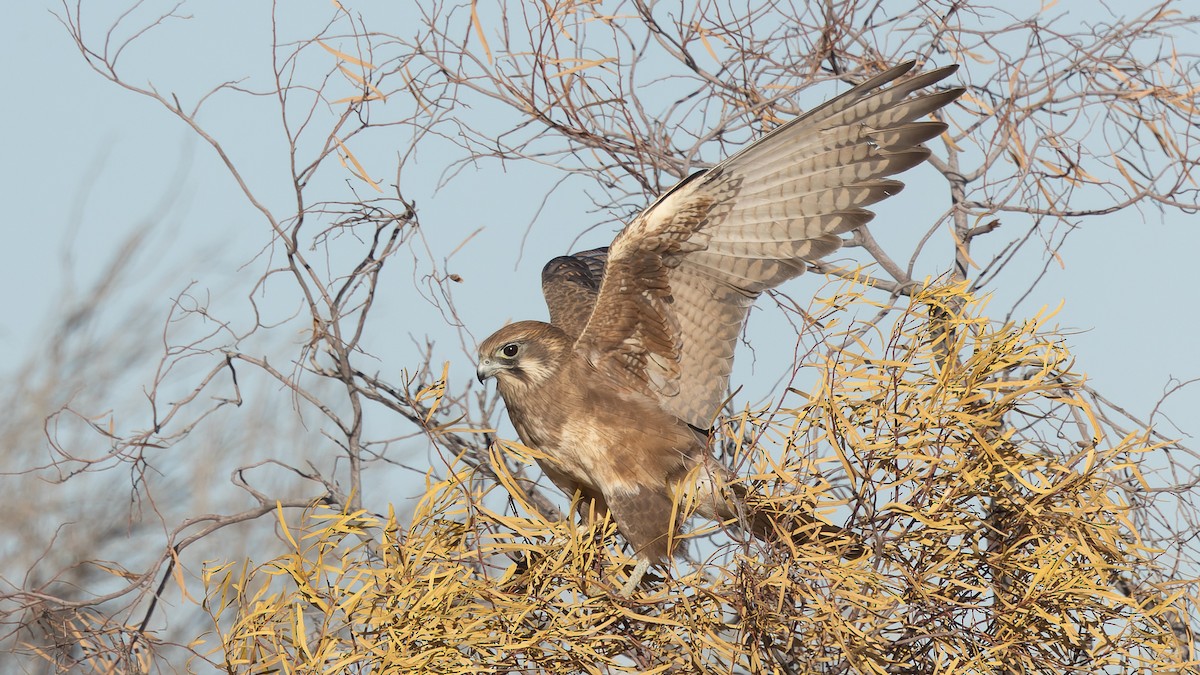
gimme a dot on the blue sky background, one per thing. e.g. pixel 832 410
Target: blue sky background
pixel 86 163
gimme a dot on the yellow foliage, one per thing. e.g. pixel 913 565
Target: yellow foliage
pixel 989 495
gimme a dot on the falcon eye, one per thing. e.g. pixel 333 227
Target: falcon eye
pixel 510 350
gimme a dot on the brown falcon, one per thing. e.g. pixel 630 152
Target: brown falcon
pixel 619 390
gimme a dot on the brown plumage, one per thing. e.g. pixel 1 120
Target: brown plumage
pixel 619 388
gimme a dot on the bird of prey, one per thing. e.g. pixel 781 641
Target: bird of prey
pixel 618 392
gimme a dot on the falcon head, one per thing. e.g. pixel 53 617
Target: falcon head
pixel 522 354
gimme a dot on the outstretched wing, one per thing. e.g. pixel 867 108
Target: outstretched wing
pixel 570 284
pixel 680 278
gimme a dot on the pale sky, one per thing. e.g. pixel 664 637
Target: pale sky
pixel 87 162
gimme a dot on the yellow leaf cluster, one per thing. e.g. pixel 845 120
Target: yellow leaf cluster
pixel 989 495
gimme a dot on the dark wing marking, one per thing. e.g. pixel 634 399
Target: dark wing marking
pixel 681 277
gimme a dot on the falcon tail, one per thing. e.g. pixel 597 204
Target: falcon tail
pixel 800 528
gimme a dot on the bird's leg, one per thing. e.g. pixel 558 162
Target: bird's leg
pixel 635 577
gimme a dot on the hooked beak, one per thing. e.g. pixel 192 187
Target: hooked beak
pixel 486 368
